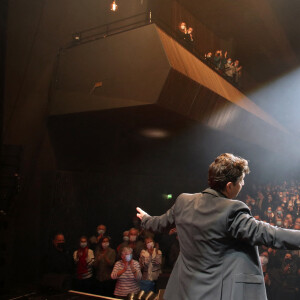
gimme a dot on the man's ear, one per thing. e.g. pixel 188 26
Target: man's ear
pixel 228 186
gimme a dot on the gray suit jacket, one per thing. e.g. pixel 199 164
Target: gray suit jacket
pixel 218 248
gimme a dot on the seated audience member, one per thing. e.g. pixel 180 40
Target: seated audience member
pixel 268 203
pixel 150 261
pixel 289 217
pixel 286 223
pixel 84 260
pixel 290 207
pixel 127 272
pixel 297 209
pixel 297 224
pixel 288 282
pixel 279 212
pixel 269 214
pixel 58 265
pixel 104 262
pixel 278 222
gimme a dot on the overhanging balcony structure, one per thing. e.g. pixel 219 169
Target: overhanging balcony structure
pixel 145 66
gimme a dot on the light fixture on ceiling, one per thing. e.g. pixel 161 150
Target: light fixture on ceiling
pixel 114 6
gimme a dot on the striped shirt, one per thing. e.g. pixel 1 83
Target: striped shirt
pixel 126 283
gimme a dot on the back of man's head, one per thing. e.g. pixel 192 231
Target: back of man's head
pixel 226 168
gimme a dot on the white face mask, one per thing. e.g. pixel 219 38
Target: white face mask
pixel 83 245
pixel 100 231
pixel 105 245
pixel 150 245
pixel 132 238
pixel 264 260
pixel 125 238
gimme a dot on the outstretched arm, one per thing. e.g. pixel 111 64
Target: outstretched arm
pixel 140 213
pixel 158 223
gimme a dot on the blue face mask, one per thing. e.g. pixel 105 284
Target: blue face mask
pixel 128 257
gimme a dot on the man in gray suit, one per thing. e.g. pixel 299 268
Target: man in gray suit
pixel 218 239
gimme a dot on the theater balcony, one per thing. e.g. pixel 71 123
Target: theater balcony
pixel 142 68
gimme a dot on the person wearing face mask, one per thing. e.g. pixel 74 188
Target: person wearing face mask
pixel 135 244
pixel 104 262
pixel 101 230
pixel 84 260
pixel 127 272
pixel 279 212
pixel 288 278
pixel 229 69
pixel 269 214
pixel 57 265
pixel 150 261
pixel 94 240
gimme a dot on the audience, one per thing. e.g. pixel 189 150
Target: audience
pixel 150 261
pixel 58 266
pixel 84 260
pixel 94 240
pixel 127 272
pixel 141 261
pixel 104 262
pixel 135 244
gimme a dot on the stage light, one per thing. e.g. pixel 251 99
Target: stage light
pixel 169 196
pixel 114 6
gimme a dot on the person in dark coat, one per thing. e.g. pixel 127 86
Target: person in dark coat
pixel 218 239
pixel 58 266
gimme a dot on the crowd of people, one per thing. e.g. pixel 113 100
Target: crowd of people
pixel 221 62
pixel 99 267
pixel 278 205
pixel 225 65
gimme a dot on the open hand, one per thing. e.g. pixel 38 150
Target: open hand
pixel 140 213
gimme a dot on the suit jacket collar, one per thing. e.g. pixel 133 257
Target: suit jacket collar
pixel 214 193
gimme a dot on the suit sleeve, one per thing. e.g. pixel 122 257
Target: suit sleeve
pixel 242 226
pixel 159 223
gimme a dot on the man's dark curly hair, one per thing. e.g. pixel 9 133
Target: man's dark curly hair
pixel 226 168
